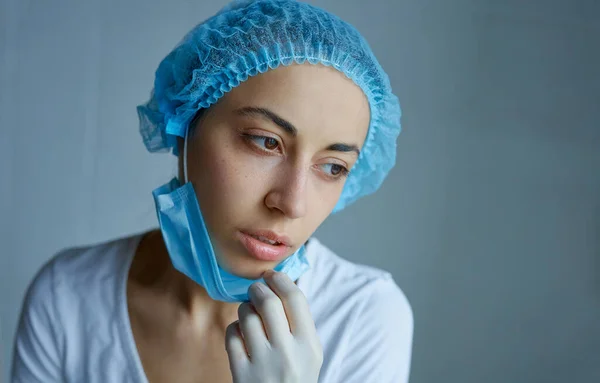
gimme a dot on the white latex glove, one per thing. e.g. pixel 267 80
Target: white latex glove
pixel 275 339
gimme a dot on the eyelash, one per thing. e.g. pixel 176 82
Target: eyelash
pixel 343 173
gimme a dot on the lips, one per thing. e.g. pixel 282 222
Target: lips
pixel 265 245
pixel 265 239
pixel 269 236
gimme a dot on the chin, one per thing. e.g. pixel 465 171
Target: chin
pixel 249 272
pixel 245 266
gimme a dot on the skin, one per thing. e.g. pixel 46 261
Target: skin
pixel 248 173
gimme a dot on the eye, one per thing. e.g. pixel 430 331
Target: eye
pixel 264 142
pixel 335 170
pixel 271 143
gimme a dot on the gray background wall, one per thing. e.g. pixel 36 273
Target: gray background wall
pixel 490 222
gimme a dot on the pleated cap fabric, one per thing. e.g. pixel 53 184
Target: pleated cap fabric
pixel 250 37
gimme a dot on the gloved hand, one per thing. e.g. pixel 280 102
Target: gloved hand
pixel 275 339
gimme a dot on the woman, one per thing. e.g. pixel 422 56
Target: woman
pixel 279 115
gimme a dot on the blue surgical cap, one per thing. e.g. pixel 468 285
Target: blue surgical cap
pixel 250 37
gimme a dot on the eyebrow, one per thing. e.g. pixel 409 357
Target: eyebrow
pixel 290 128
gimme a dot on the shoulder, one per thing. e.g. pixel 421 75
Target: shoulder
pixel 65 298
pixel 80 267
pixel 341 279
pixel 362 314
pixel 78 274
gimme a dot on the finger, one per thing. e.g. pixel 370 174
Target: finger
pixel 252 330
pixel 236 351
pixel 269 307
pixel 294 303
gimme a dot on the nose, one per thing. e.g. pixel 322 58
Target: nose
pixel 288 194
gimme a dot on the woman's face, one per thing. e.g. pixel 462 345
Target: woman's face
pixel 270 159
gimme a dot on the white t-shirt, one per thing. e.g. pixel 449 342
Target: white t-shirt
pixel 75 325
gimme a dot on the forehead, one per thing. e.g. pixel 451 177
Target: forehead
pixel 320 101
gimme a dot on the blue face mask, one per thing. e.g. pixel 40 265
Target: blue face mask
pixel 191 250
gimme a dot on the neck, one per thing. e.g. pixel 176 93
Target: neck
pixel 152 269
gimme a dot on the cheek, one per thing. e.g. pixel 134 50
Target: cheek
pixel 321 200
pixel 326 193
pixel 228 181
pixel 224 179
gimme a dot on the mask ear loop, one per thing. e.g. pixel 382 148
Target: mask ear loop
pixel 185 146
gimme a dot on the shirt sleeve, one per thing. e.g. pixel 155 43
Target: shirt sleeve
pixel 36 353
pixel 380 344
